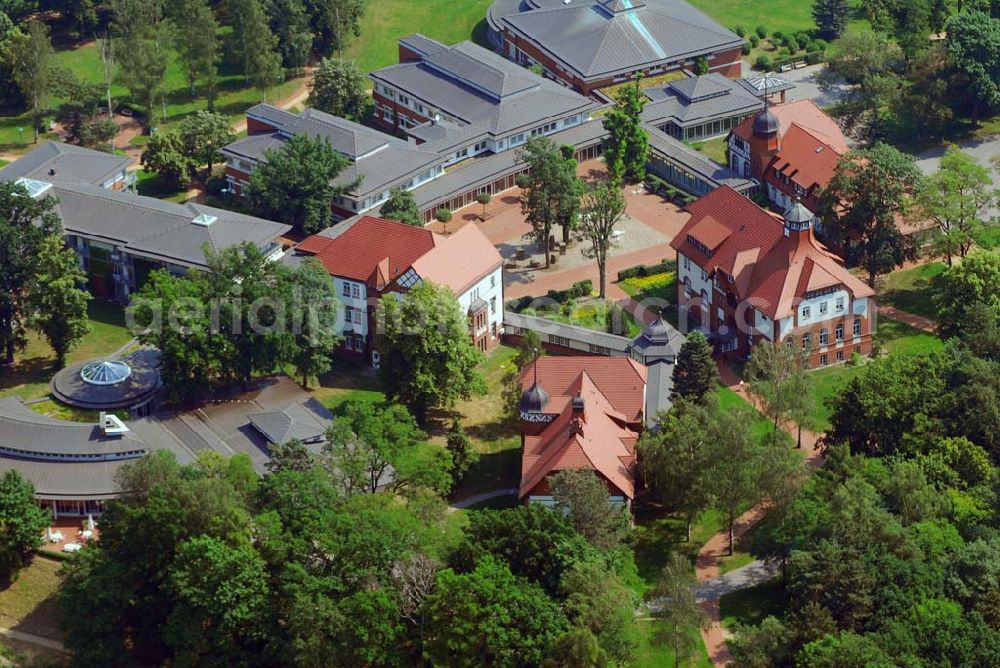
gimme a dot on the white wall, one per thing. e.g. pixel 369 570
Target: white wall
pixel 489 287
pixel 359 302
pixel 694 273
pixel 831 308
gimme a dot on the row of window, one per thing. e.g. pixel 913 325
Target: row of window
pixel 824 308
pixel 824 335
pixel 352 290
pixel 825 359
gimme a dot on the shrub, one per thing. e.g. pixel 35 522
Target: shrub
pixel 643 270
pixel 778 38
pixel 754 40
pixel 740 30
pixel 792 44
pixel 815 57
pixel 583 288
pixel 785 52
pixel 763 63
pixel 701 65
pixel 803 38
pixel 761 32
pixel 745 49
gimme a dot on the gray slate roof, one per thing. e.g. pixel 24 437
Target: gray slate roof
pixel 659 385
pixel 294 421
pixel 695 100
pixel 30 435
pixel 596 41
pixel 56 162
pixel 481 88
pixel 156 229
pixel 378 159
pixel 484 169
pixel 144 379
pixel 705 168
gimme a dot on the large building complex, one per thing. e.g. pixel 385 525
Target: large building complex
pixel 746 275
pixel 120 237
pixel 371 257
pixel 591 44
pixel 465 100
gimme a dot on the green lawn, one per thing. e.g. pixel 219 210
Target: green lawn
pixel 152 184
pixel 384 22
pixel 588 313
pixel 751 606
pixel 348 380
pixel 897 338
pixel 912 290
pixel 33 367
pixel 784 15
pixel 714 149
pixel 651 655
pixel 28 603
pixel 84 61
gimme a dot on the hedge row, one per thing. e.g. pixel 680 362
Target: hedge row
pixel 667 191
pixel 642 270
pixel 579 289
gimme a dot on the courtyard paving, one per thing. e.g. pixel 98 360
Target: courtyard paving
pixel 651 223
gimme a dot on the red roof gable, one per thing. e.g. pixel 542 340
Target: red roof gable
pixel 369 244
pixel 805 158
pixel 773 270
pixel 602 437
pixel 806 114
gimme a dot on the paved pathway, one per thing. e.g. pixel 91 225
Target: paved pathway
pixel 31 639
pixel 479 498
pixel 710 555
pixel 920 322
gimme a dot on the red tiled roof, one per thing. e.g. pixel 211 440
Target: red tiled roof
pixel 604 438
pixel 460 260
pixel 369 244
pixel 805 158
pixel 806 114
pixel 772 270
pixel 620 379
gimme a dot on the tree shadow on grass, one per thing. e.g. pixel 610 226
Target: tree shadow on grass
pixel 26 371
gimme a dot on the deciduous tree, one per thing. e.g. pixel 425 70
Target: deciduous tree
pixel 489 616
pixel 602 208
pixel 402 207
pixel 976 280
pixel 870 192
pixel 627 149
pixel 427 356
pixel 194 31
pixel 294 183
pixel 201 136
pixel 165 154
pixel 21 522
pixel 955 198
pixel 25 222
pixel 256 45
pixel 290 24
pixel 340 88
pixel 584 498
pixel 677 614
pixel 30 55
pixel 58 302
pixel 142 55
pixel 973 44
pixel 550 191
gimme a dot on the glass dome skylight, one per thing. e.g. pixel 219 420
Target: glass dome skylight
pixel 105 373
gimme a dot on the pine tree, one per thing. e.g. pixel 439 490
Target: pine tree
pixel 831 17
pixel 695 375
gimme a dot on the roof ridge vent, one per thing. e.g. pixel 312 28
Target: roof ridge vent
pixel 204 219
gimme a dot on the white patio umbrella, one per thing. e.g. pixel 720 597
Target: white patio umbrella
pixel 90 522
